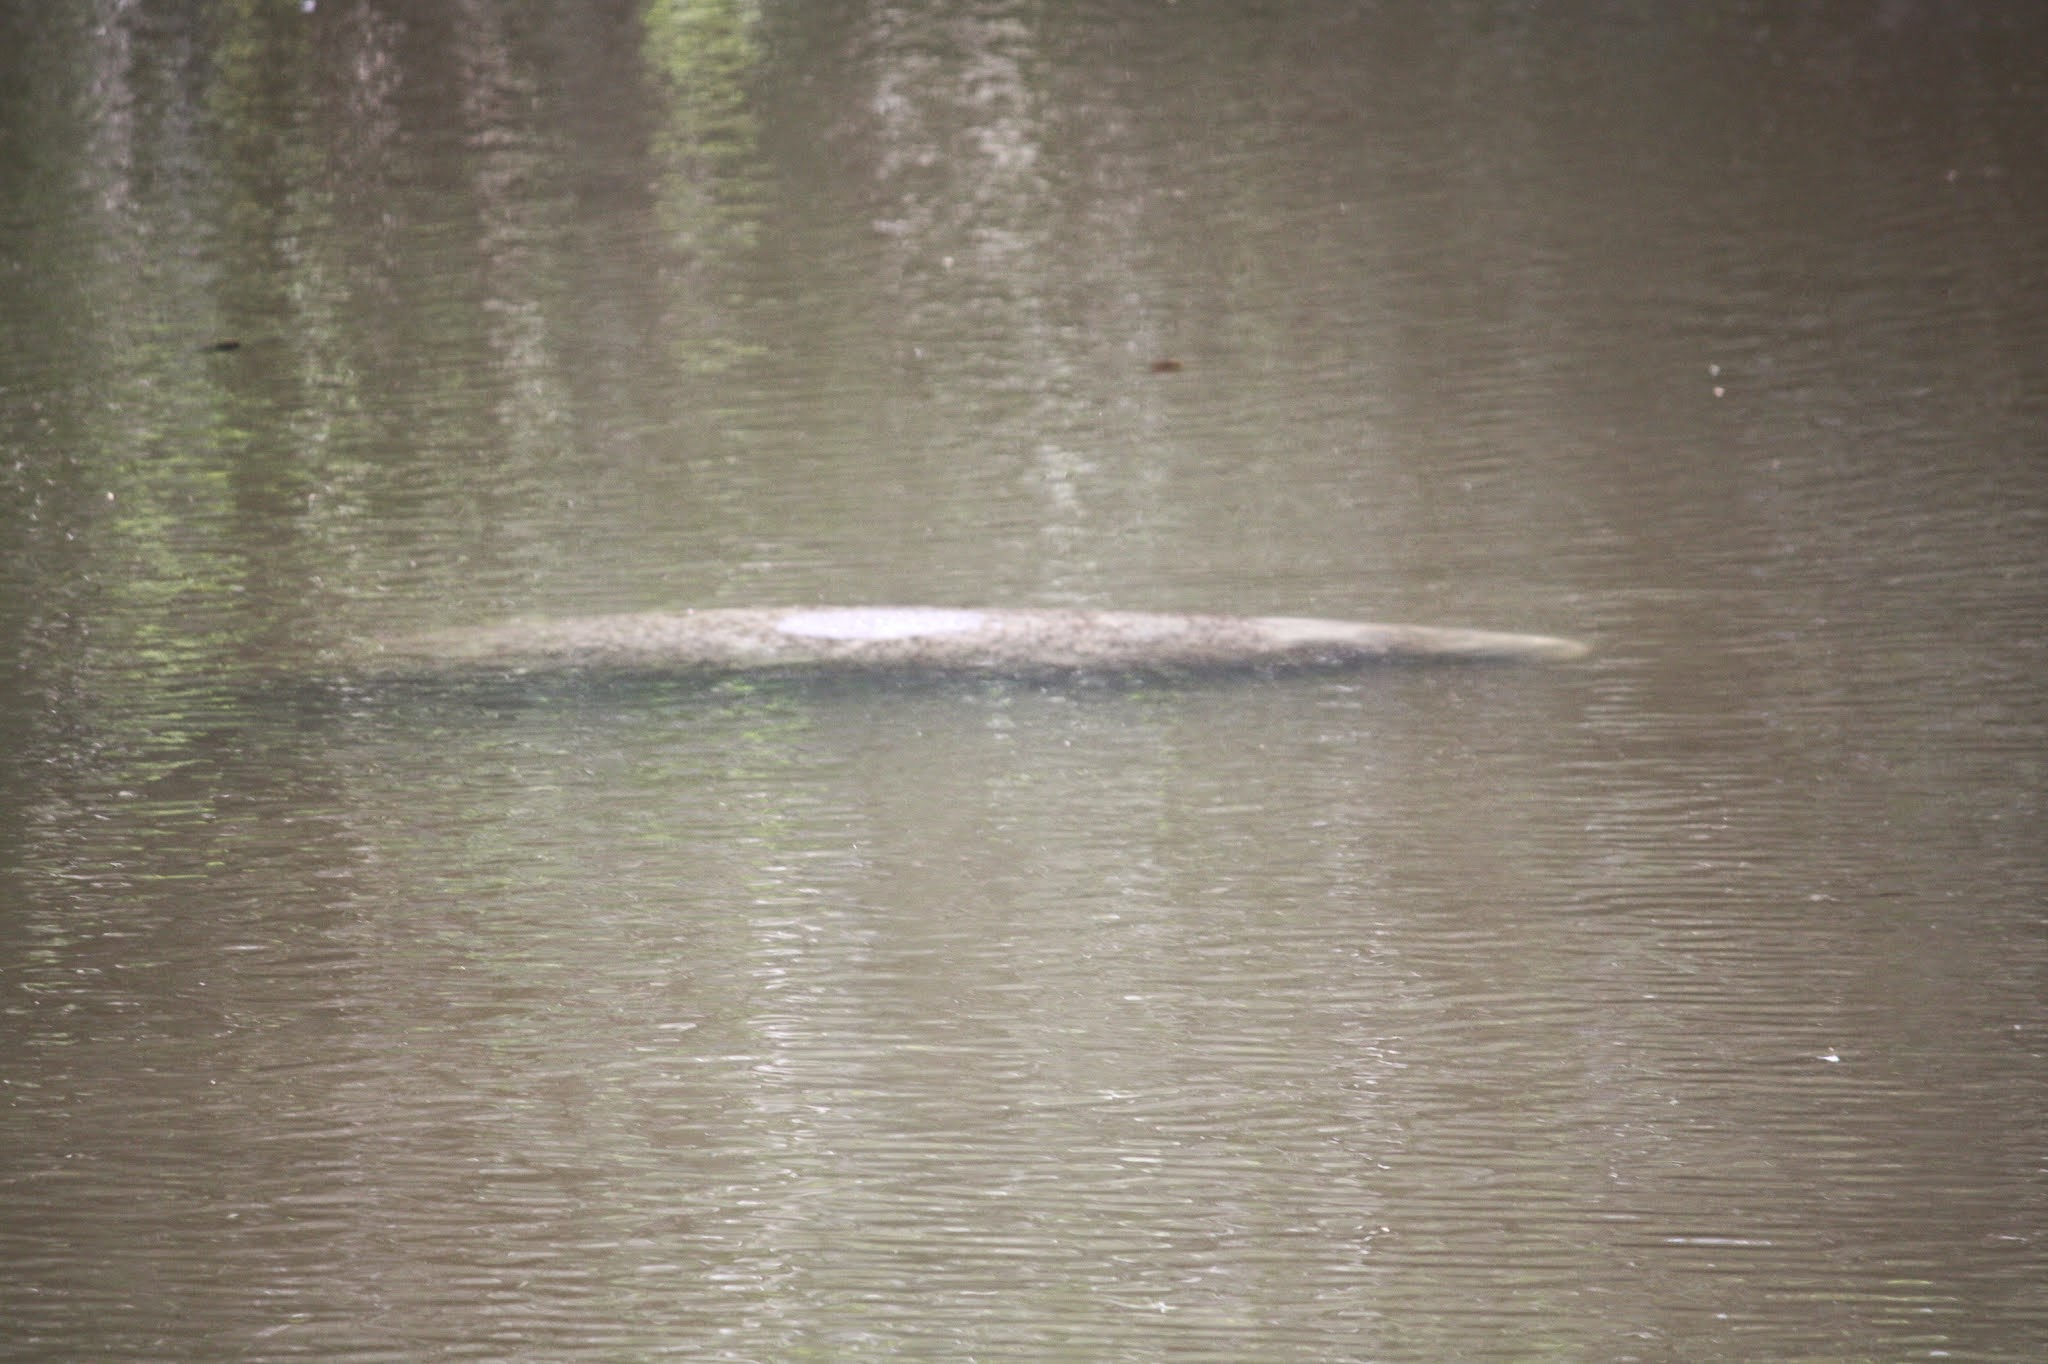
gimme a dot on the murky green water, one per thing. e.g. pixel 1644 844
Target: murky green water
pixel 1685 1003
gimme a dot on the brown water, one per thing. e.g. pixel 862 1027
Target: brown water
pixel 1686 1003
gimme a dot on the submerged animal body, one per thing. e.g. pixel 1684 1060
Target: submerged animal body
pixel 1013 641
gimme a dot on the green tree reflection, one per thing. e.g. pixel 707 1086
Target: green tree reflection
pixel 711 190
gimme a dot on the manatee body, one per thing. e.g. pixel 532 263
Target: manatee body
pixel 1022 641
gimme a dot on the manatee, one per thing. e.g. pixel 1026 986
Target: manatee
pixel 1030 642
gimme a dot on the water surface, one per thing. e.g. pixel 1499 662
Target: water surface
pixel 1682 1003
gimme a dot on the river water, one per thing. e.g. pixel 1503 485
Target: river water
pixel 1689 1002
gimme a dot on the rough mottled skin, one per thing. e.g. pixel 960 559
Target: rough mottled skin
pixel 930 639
